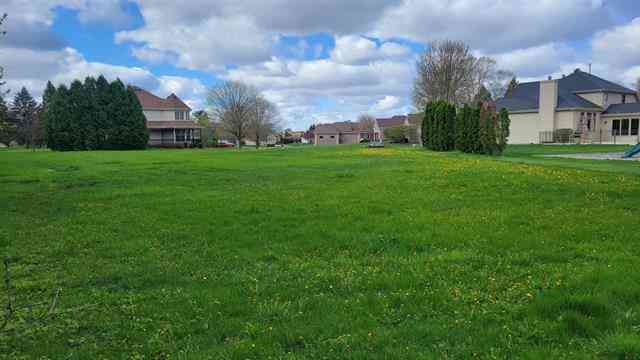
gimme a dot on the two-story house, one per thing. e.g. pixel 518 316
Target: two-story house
pixel 168 120
pixel 596 110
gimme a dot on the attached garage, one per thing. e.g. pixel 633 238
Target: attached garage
pixel 524 128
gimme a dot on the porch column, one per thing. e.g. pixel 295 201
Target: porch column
pixel 174 135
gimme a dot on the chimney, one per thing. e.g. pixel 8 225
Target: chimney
pixel 549 78
pixel 547 105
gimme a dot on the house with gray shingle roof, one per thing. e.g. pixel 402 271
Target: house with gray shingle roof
pixel 595 109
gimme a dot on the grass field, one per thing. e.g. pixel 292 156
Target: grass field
pixel 337 252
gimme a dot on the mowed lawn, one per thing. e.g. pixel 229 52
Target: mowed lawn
pixel 312 253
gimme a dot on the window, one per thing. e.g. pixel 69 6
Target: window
pixel 589 121
pixel 333 137
pixel 321 137
pixel 615 127
pixel 179 115
pixel 624 99
pixel 624 129
pixel 634 126
pixel 180 135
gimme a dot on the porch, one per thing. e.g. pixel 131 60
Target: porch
pixel 174 134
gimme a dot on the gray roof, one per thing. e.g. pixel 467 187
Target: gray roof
pixel 627 108
pixel 526 95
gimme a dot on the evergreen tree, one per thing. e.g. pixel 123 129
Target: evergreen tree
pixel 116 111
pixel 439 126
pixel 43 119
pixel 136 123
pixel 473 140
pixel 7 127
pixel 426 123
pixel 59 129
pixel 488 138
pixel 90 114
pixel 512 85
pixel 25 110
pixel 464 137
pixel 483 95
pixel 77 116
pixel 505 123
pixel 102 121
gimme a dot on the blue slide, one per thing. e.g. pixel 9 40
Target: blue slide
pixel 632 152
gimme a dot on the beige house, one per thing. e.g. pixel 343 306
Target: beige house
pixel 348 132
pixel 168 120
pixel 589 108
pixel 345 132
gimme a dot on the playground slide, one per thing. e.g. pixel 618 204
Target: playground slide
pixel 632 152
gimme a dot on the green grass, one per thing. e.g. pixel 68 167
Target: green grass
pixel 336 252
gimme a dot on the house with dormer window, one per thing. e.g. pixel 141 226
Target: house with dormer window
pixel 168 120
pixel 590 108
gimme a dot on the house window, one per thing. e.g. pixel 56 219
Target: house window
pixel 624 99
pixel 321 137
pixel 624 128
pixel 179 115
pixel 589 121
pixel 180 135
pixel 615 127
pixel 634 126
pixel 333 137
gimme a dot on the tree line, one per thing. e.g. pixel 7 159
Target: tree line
pixel 94 115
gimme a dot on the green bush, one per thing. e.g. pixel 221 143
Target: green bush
pixel 470 129
pixel 438 127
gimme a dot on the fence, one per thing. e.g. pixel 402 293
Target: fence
pixel 570 136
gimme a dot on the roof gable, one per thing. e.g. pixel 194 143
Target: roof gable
pixel 397 120
pixel 628 108
pixel 580 81
pixel 149 101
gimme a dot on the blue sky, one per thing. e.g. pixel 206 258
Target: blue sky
pixel 319 61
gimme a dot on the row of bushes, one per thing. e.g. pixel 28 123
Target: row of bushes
pixel 471 129
pixel 94 115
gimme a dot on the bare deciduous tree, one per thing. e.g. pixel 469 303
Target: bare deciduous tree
pixel 264 120
pixel 449 71
pixel 445 72
pixel 3 18
pixel 233 104
pixel 367 123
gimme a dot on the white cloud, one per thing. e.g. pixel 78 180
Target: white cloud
pixel 353 49
pixel 493 25
pixel 307 91
pixel 535 61
pixel 32 69
pixel 618 46
pixel 387 103
pixel 207 45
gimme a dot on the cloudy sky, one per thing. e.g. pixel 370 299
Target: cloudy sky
pixel 319 60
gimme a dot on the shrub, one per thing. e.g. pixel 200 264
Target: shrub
pixel 439 125
pixel 476 129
